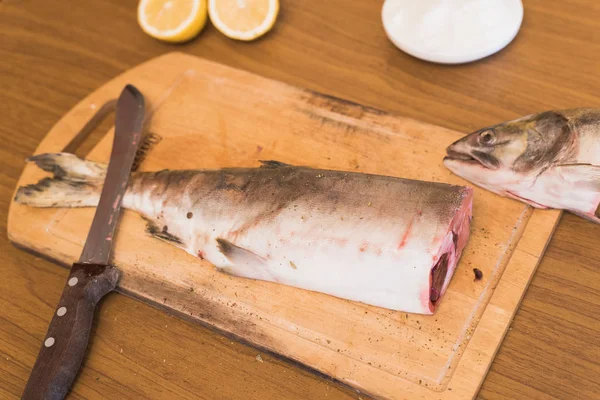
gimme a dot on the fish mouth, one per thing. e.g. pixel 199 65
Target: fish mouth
pixel 473 157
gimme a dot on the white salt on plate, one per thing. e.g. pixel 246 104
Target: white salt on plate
pixel 451 31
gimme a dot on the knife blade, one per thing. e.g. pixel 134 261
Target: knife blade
pixel 92 277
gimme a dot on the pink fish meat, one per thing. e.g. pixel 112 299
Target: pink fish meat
pixel 380 240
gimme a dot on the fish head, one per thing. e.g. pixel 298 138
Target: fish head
pixel 509 155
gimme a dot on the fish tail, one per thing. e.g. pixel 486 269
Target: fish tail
pixel 75 182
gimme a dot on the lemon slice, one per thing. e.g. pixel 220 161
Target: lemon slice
pixel 243 19
pixel 172 20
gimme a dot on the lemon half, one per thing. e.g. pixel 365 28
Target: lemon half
pixel 243 19
pixel 172 20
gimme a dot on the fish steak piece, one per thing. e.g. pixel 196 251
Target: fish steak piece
pixel 380 240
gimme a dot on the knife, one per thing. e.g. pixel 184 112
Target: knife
pixel 92 277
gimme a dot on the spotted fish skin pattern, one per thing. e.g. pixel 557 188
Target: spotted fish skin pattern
pixel 547 160
pixel 380 240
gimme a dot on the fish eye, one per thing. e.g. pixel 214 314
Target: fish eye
pixel 487 137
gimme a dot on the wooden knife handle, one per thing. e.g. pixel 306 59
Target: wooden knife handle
pixel 66 341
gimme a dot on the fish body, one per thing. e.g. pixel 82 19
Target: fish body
pixel 380 240
pixel 547 160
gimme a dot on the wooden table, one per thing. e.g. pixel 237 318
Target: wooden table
pixel 52 54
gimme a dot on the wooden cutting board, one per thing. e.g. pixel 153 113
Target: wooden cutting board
pixel 209 116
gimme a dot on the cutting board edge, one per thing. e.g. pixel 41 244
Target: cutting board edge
pixel 182 315
pixel 111 89
pixel 552 218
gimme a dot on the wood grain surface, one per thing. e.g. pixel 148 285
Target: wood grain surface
pixel 52 54
pixel 388 354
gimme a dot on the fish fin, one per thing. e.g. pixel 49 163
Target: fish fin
pixel 245 262
pixel 273 164
pixel 162 233
pixel 148 142
pixel 75 182
pixel 582 175
pixel 70 166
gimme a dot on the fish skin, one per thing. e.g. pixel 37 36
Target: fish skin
pixel 368 238
pixel 549 160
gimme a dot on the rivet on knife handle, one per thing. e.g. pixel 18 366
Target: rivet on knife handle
pixel 92 277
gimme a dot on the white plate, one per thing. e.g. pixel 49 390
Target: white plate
pixel 451 31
